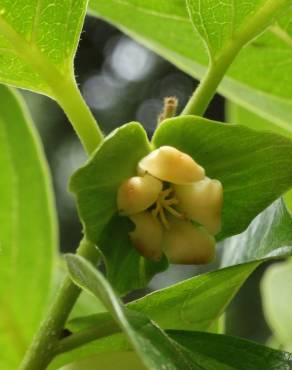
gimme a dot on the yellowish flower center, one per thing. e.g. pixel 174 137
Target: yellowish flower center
pixel 165 202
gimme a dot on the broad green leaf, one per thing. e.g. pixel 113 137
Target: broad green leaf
pixel 28 236
pixel 276 293
pixel 228 24
pixel 173 307
pixel 260 79
pixel 214 352
pixel 239 115
pixel 247 163
pixel 38 40
pixel 196 303
pixel 96 185
pixel 269 235
pixel 152 345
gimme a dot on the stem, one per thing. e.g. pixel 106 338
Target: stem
pixel 201 98
pixel 40 352
pixel 70 99
pixel 78 339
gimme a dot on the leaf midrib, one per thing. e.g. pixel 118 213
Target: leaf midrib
pixel 32 56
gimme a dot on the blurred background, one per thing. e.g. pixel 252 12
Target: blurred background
pixel 122 81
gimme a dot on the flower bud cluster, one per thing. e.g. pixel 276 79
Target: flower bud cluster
pixel 175 208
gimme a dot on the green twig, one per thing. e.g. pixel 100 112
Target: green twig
pixel 76 340
pixel 40 352
pixel 70 99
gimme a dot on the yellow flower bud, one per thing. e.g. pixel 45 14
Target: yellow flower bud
pixel 147 236
pixel 172 165
pixel 137 194
pixel 202 202
pixel 184 243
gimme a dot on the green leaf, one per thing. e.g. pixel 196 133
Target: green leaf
pixel 196 303
pixel 28 235
pixel 239 115
pixel 173 307
pixel 228 24
pixel 213 351
pixel 247 163
pixel 255 80
pixel 38 40
pixel 276 294
pixel 153 346
pixel 269 235
pixel 96 185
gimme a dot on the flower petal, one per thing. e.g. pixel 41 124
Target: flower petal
pixel 147 236
pixel 202 202
pixel 184 243
pixel 137 194
pixel 172 165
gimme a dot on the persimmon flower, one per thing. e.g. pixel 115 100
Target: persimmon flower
pixel 175 208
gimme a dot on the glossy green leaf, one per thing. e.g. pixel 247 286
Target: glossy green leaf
pixel 196 303
pixel 255 80
pixel 269 235
pixel 277 300
pixel 229 23
pixel 153 346
pixel 96 185
pixel 28 237
pixel 214 352
pixel 38 40
pixel 239 115
pixel 247 163
pixel 173 307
